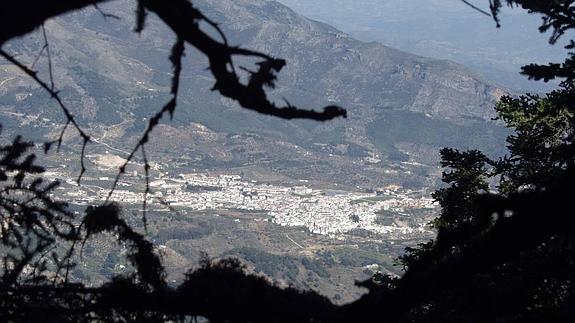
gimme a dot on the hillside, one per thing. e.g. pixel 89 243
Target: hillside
pixel 401 109
pixel 447 30
pixel 114 76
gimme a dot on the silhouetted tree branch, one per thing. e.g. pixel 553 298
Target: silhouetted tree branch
pixel 184 20
pixel 145 294
pixel 70 120
pixel 31 221
pixel 524 233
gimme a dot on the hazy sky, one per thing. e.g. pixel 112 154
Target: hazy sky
pixel 446 29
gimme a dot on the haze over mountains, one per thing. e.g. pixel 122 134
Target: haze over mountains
pixel 446 29
pixel 401 107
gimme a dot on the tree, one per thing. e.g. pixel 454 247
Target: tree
pixel 504 256
pixel 541 150
pixel 459 219
pixel 40 236
pixel 31 220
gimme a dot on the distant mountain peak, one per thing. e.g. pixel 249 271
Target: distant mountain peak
pixel 401 106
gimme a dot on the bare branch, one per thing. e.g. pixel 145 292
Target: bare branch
pixel 105 14
pixel 38 56
pixel 183 19
pixel 179 15
pixel 56 96
pixel 147 190
pixel 140 17
pixel 476 8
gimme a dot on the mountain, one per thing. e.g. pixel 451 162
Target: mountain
pixel 401 107
pixel 326 63
pixel 446 29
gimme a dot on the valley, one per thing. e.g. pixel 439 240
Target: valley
pixel 310 204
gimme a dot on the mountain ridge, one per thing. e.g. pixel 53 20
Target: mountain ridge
pixel 114 76
pixel 402 108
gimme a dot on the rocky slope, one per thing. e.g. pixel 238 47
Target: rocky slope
pixel 401 107
pixel 326 63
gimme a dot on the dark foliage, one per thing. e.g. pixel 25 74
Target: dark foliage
pixel 459 220
pixel 498 256
pixel 542 148
pixel 558 17
pixel 31 220
pixel 504 256
pixel 41 238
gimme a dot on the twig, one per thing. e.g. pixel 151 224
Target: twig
pixel 56 96
pixel 47 45
pixel 183 18
pixel 38 56
pixel 104 14
pixel 476 8
pixel 176 59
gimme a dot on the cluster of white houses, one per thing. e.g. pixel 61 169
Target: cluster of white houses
pixel 319 211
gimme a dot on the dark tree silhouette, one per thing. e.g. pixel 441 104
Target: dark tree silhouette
pixel 31 220
pixel 509 255
pixel 459 219
pixel 504 256
pixel 542 148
